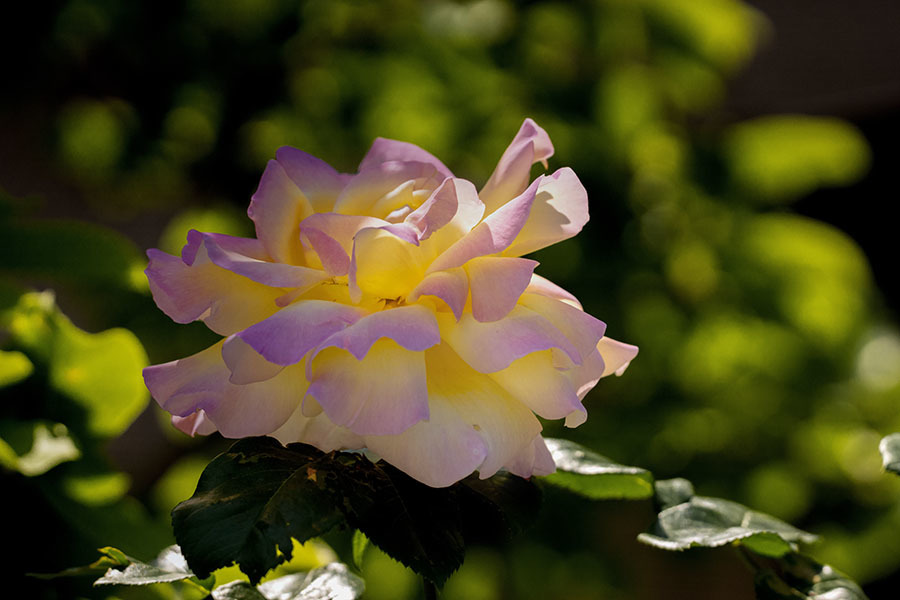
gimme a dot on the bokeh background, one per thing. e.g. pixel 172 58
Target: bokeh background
pixel 738 157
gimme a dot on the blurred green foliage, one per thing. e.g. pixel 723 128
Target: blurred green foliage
pixel 769 368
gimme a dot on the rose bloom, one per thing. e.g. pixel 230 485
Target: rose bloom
pixel 389 310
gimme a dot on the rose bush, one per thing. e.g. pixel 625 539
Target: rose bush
pixel 390 309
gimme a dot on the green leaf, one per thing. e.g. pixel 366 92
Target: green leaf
pixel 33 448
pixel 169 566
pixel 249 503
pixel 595 476
pixel 360 543
pixel 713 522
pixel 109 558
pixel 237 590
pixel 890 452
pixel 101 372
pixel 254 498
pixel 670 492
pixel 331 582
pixel 795 577
pixel 14 367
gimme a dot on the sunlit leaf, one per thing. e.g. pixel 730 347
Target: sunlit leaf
pixel 237 590
pixel 110 558
pixel 890 452
pixel 101 372
pixel 713 522
pixel 33 448
pixel 795 577
pixel 780 158
pixel 14 367
pixel 595 476
pixel 331 582
pixel 360 543
pixel 169 566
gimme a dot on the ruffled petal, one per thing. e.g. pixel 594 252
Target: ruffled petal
pixel 318 431
pixel 490 347
pixel 451 286
pixel 533 460
pixel 273 274
pixel 225 301
pixel 364 190
pixel 545 287
pixel 384 150
pixel 496 284
pixel 285 337
pixel 414 327
pixel 200 382
pixel 583 330
pixel 245 363
pixel 510 177
pixel 330 235
pixel 383 393
pixel 559 211
pixel 318 181
pixel 492 235
pixel 616 355
pixel 384 265
pixel 277 208
pixel 194 424
pixel 534 381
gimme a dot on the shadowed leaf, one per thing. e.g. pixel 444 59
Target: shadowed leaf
pixel 890 452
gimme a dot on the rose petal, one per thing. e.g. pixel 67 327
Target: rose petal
pixel 583 330
pixel 490 347
pixel 534 381
pixel 510 177
pixel 493 235
pixel 384 265
pixel 245 363
pixel 533 460
pixel 364 190
pixel 559 211
pixel 616 355
pixel 413 326
pixel 317 431
pixel 285 337
pixel 545 287
pixel 331 236
pixel 200 382
pixel 195 423
pixel 384 150
pixel 225 301
pixel 318 181
pixel 451 286
pixel 277 208
pixel 496 284
pixel 381 394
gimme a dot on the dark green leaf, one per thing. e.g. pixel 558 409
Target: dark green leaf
pixel 595 476
pixel 169 566
pixel 250 502
pixel 670 492
pixel 109 558
pixel 795 577
pixel 331 582
pixel 713 522
pixel 890 452
pixel 253 499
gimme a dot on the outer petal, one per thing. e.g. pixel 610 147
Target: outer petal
pixel 245 363
pixel 225 301
pixel 318 431
pixel 200 382
pixel 616 355
pixel 451 286
pixel 559 211
pixel 534 381
pixel 285 337
pixel 545 287
pixel 583 330
pixel 277 208
pixel 196 422
pixel 384 150
pixel 496 284
pixel 490 347
pixel 318 181
pixel 268 273
pixel 531 144
pixel 384 393
pixel 493 235
pixel 533 460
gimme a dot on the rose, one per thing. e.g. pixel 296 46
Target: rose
pixel 391 310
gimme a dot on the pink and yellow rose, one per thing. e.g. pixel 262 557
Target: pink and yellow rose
pixel 391 310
